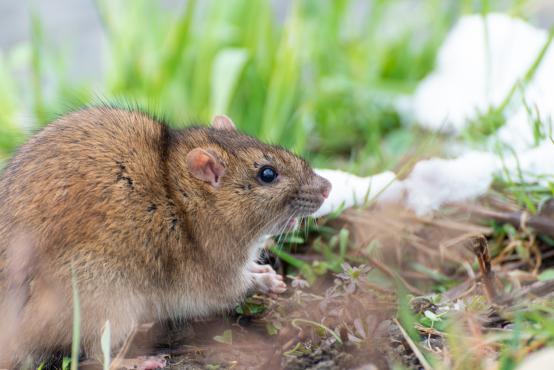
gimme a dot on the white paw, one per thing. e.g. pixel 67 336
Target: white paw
pixel 266 280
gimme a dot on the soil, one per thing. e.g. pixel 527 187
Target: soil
pixel 351 319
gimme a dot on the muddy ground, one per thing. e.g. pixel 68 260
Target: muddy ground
pixel 379 288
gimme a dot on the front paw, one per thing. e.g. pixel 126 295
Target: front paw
pixel 266 280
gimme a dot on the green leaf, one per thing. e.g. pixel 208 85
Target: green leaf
pixel 320 267
pixel 271 329
pixel 304 267
pixel 293 239
pixel 432 316
pixel 547 274
pixel 523 252
pixel 226 338
pixel 343 243
pixel 105 343
pixel 76 335
pixel 433 274
pixel 227 68
pixel 250 307
pixel 297 350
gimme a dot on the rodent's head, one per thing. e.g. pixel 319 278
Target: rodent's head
pixel 260 187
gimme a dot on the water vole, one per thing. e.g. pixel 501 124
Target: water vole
pixel 154 223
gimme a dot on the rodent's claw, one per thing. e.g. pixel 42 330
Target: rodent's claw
pixel 266 280
pixel 279 287
pixel 270 283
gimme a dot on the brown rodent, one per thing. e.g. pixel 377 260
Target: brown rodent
pixel 153 223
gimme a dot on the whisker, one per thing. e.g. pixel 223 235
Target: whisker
pixel 252 228
pixel 282 232
pixel 316 225
pixel 280 235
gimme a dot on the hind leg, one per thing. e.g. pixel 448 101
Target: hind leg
pixel 36 320
pixel 132 353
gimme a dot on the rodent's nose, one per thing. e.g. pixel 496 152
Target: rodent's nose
pixel 325 187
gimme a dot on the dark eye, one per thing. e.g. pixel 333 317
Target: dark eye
pixel 267 174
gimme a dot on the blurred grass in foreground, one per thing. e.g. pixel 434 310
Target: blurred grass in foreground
pixel 324 79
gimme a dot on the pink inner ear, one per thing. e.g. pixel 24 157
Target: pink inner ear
pixel 222 122
pixel 204 166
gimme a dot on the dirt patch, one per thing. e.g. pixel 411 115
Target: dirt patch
pixel 375 288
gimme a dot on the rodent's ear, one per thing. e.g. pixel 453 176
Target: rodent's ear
pixel 222 122
pixel 205 166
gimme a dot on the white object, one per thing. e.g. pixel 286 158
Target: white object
pixel 435 182
pixel 349 190
pixel 540 360
pixel 480 61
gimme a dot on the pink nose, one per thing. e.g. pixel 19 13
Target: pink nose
pixel 323 185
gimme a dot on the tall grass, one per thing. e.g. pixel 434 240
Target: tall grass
pixel 324 77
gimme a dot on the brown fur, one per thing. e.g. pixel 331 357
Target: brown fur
pixel 106 193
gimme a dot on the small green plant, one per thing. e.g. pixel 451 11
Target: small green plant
pixel 251 307
pixel 225 338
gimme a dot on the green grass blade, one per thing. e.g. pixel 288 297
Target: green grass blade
pixel 76 333
pixel 105 343
pixel 227 68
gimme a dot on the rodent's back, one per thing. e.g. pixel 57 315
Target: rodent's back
pixel 84 183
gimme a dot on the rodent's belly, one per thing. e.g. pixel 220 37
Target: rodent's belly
pixel 213 293
pixel 216 296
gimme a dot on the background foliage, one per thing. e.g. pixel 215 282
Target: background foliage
pixel 323 78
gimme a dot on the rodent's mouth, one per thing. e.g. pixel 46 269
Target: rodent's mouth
pixel 292 224
pixel 285 226
pixel 305 204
